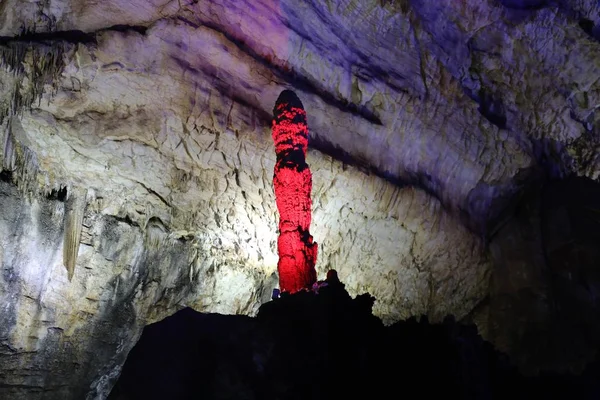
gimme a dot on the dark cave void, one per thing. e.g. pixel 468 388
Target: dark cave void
pixel 544 295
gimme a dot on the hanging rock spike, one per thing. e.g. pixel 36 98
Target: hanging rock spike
pixel 74 211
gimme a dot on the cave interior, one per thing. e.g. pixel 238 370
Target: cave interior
pixel 284 199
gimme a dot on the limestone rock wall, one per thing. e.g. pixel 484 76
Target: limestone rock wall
pixel 180 211
pixel 426 119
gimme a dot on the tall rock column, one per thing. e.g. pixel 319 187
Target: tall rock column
pixel 293 185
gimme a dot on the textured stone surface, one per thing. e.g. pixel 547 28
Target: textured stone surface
pixel 161 110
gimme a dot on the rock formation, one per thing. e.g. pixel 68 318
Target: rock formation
pixel 430 121
pixel 292 181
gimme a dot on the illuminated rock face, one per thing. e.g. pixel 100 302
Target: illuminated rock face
pixel 292 181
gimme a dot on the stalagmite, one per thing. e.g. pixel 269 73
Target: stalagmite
pixel 293 184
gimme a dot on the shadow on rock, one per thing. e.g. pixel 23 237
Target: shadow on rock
pixel 323 344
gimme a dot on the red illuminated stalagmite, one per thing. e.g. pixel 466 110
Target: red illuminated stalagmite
pixel 293 185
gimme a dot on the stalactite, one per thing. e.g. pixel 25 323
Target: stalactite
pixel 292 181
pixel 74 211
pixel 34 68
pixel 27 170
pixel 156 233
pixel 9 157
pixel 33 65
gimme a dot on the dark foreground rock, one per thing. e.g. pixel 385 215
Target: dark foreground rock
pixel 327 346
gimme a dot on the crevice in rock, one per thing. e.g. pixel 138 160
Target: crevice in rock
pixel 526 4
pixel 6 176
pixel 69 36
pixel 59 194
pixel 588 26
pixel 126 220
pixel 491 108
pixel 29 37
pixel 155 193
pixel 141 29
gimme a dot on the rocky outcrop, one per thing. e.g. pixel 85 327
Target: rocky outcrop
pixel 427 118
pixel 323 346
